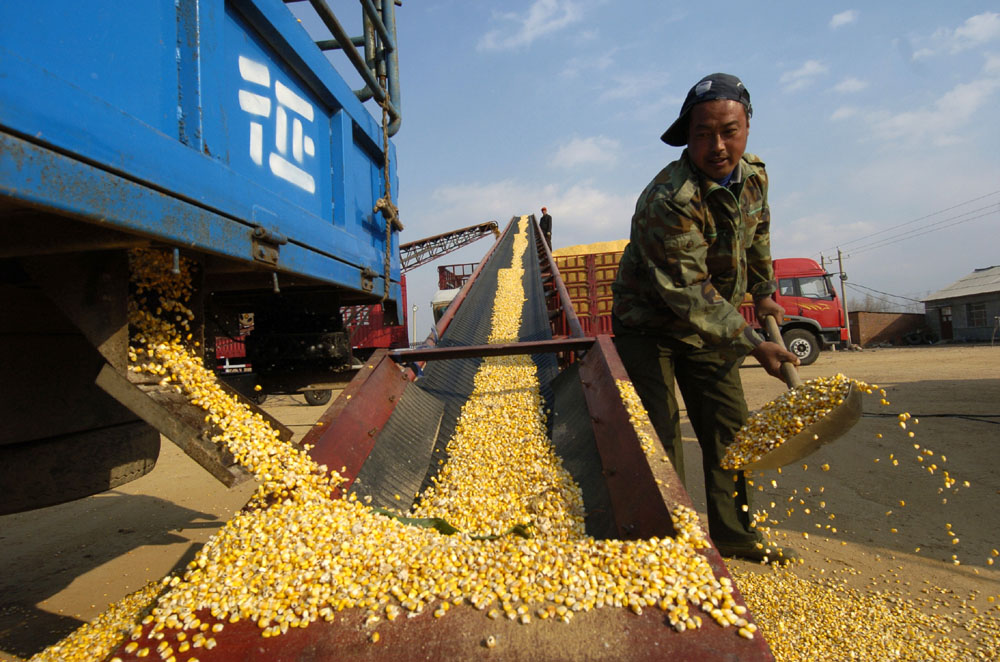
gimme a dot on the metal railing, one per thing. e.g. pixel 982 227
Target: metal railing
pixel 379 66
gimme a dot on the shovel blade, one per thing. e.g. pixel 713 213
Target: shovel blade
pixel 837 421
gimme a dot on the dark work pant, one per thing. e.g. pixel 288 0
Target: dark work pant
pixel 713 393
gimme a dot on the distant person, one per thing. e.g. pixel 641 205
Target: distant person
pixel 700 240
pixel 545 223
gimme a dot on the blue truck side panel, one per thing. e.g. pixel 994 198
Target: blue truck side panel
pixel 191 122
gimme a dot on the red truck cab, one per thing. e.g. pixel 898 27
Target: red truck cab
pixel 814 317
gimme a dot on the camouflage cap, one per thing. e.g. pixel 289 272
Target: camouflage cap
pixel 709 88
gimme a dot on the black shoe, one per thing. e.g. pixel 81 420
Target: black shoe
pixel 759 552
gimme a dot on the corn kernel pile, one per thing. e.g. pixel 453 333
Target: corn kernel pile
pixel 295 556
pixel 826 620
pixel 94 640
pixel 786 416
pixel 637 416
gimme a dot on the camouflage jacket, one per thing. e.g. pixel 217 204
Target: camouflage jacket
pixel 695 249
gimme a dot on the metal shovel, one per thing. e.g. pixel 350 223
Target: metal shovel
pixel 836 422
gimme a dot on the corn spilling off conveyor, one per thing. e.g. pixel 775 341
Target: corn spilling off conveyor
pixel 488 494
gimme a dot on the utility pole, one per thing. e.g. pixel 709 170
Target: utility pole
pixel 413 323
pixel 822 261
pixel 843 295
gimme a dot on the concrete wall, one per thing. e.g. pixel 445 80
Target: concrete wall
pixel 961 329
pixel 876 328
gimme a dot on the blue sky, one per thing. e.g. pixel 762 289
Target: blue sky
pixel 868 116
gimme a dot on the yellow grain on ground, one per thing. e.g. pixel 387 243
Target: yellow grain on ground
pixel 823 619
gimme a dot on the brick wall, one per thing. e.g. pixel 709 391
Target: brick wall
pixel 876 328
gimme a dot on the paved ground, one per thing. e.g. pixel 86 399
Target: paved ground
pixel 63 565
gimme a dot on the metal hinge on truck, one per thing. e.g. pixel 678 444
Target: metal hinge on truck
pixel 266 245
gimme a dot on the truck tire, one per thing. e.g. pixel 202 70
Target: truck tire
pixel 318 397
pixel 46 472
pixel 803 344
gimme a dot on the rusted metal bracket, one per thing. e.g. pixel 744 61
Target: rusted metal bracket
pixel 368 277
pixel 266 245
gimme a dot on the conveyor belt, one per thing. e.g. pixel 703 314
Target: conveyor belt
pixel 435 400
pixel 451 381
pixel 433 403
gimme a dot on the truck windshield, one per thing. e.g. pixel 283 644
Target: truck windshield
pixel 810 287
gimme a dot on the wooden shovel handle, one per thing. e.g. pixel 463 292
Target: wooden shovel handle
pixel 788 371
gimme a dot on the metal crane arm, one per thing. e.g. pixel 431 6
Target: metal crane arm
pixel 422 251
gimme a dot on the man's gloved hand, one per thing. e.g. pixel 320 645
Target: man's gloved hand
pixel 771 356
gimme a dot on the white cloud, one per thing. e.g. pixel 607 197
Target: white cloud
pixel 658 107
pixel 843 18
pixel 587 151
pixel 542 17
pixel 939 122
pixel 500 199
pixel 882 190
pixel 592 214
pixel 843 113
pixel 893 199
pixel 802 77
pixel 581 212
pixel 992 66
pixel 583 65
pixel 976 31
pixel 849 85
pixel 641 96
pixel 626 87
pixel 805 234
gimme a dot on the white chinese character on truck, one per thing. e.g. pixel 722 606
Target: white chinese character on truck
pixel 290 110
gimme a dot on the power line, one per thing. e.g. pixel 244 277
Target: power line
pixel 868 290
pixel 896 296
pixel 916 220
pixel 934 227
pixel 854 304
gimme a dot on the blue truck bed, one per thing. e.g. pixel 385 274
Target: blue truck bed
pixel 215 130
pixel 191 123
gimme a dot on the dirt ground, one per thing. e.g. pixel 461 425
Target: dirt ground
pixel 63 565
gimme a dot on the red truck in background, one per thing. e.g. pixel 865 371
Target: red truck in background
pixel 814 317
pixel 369 330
